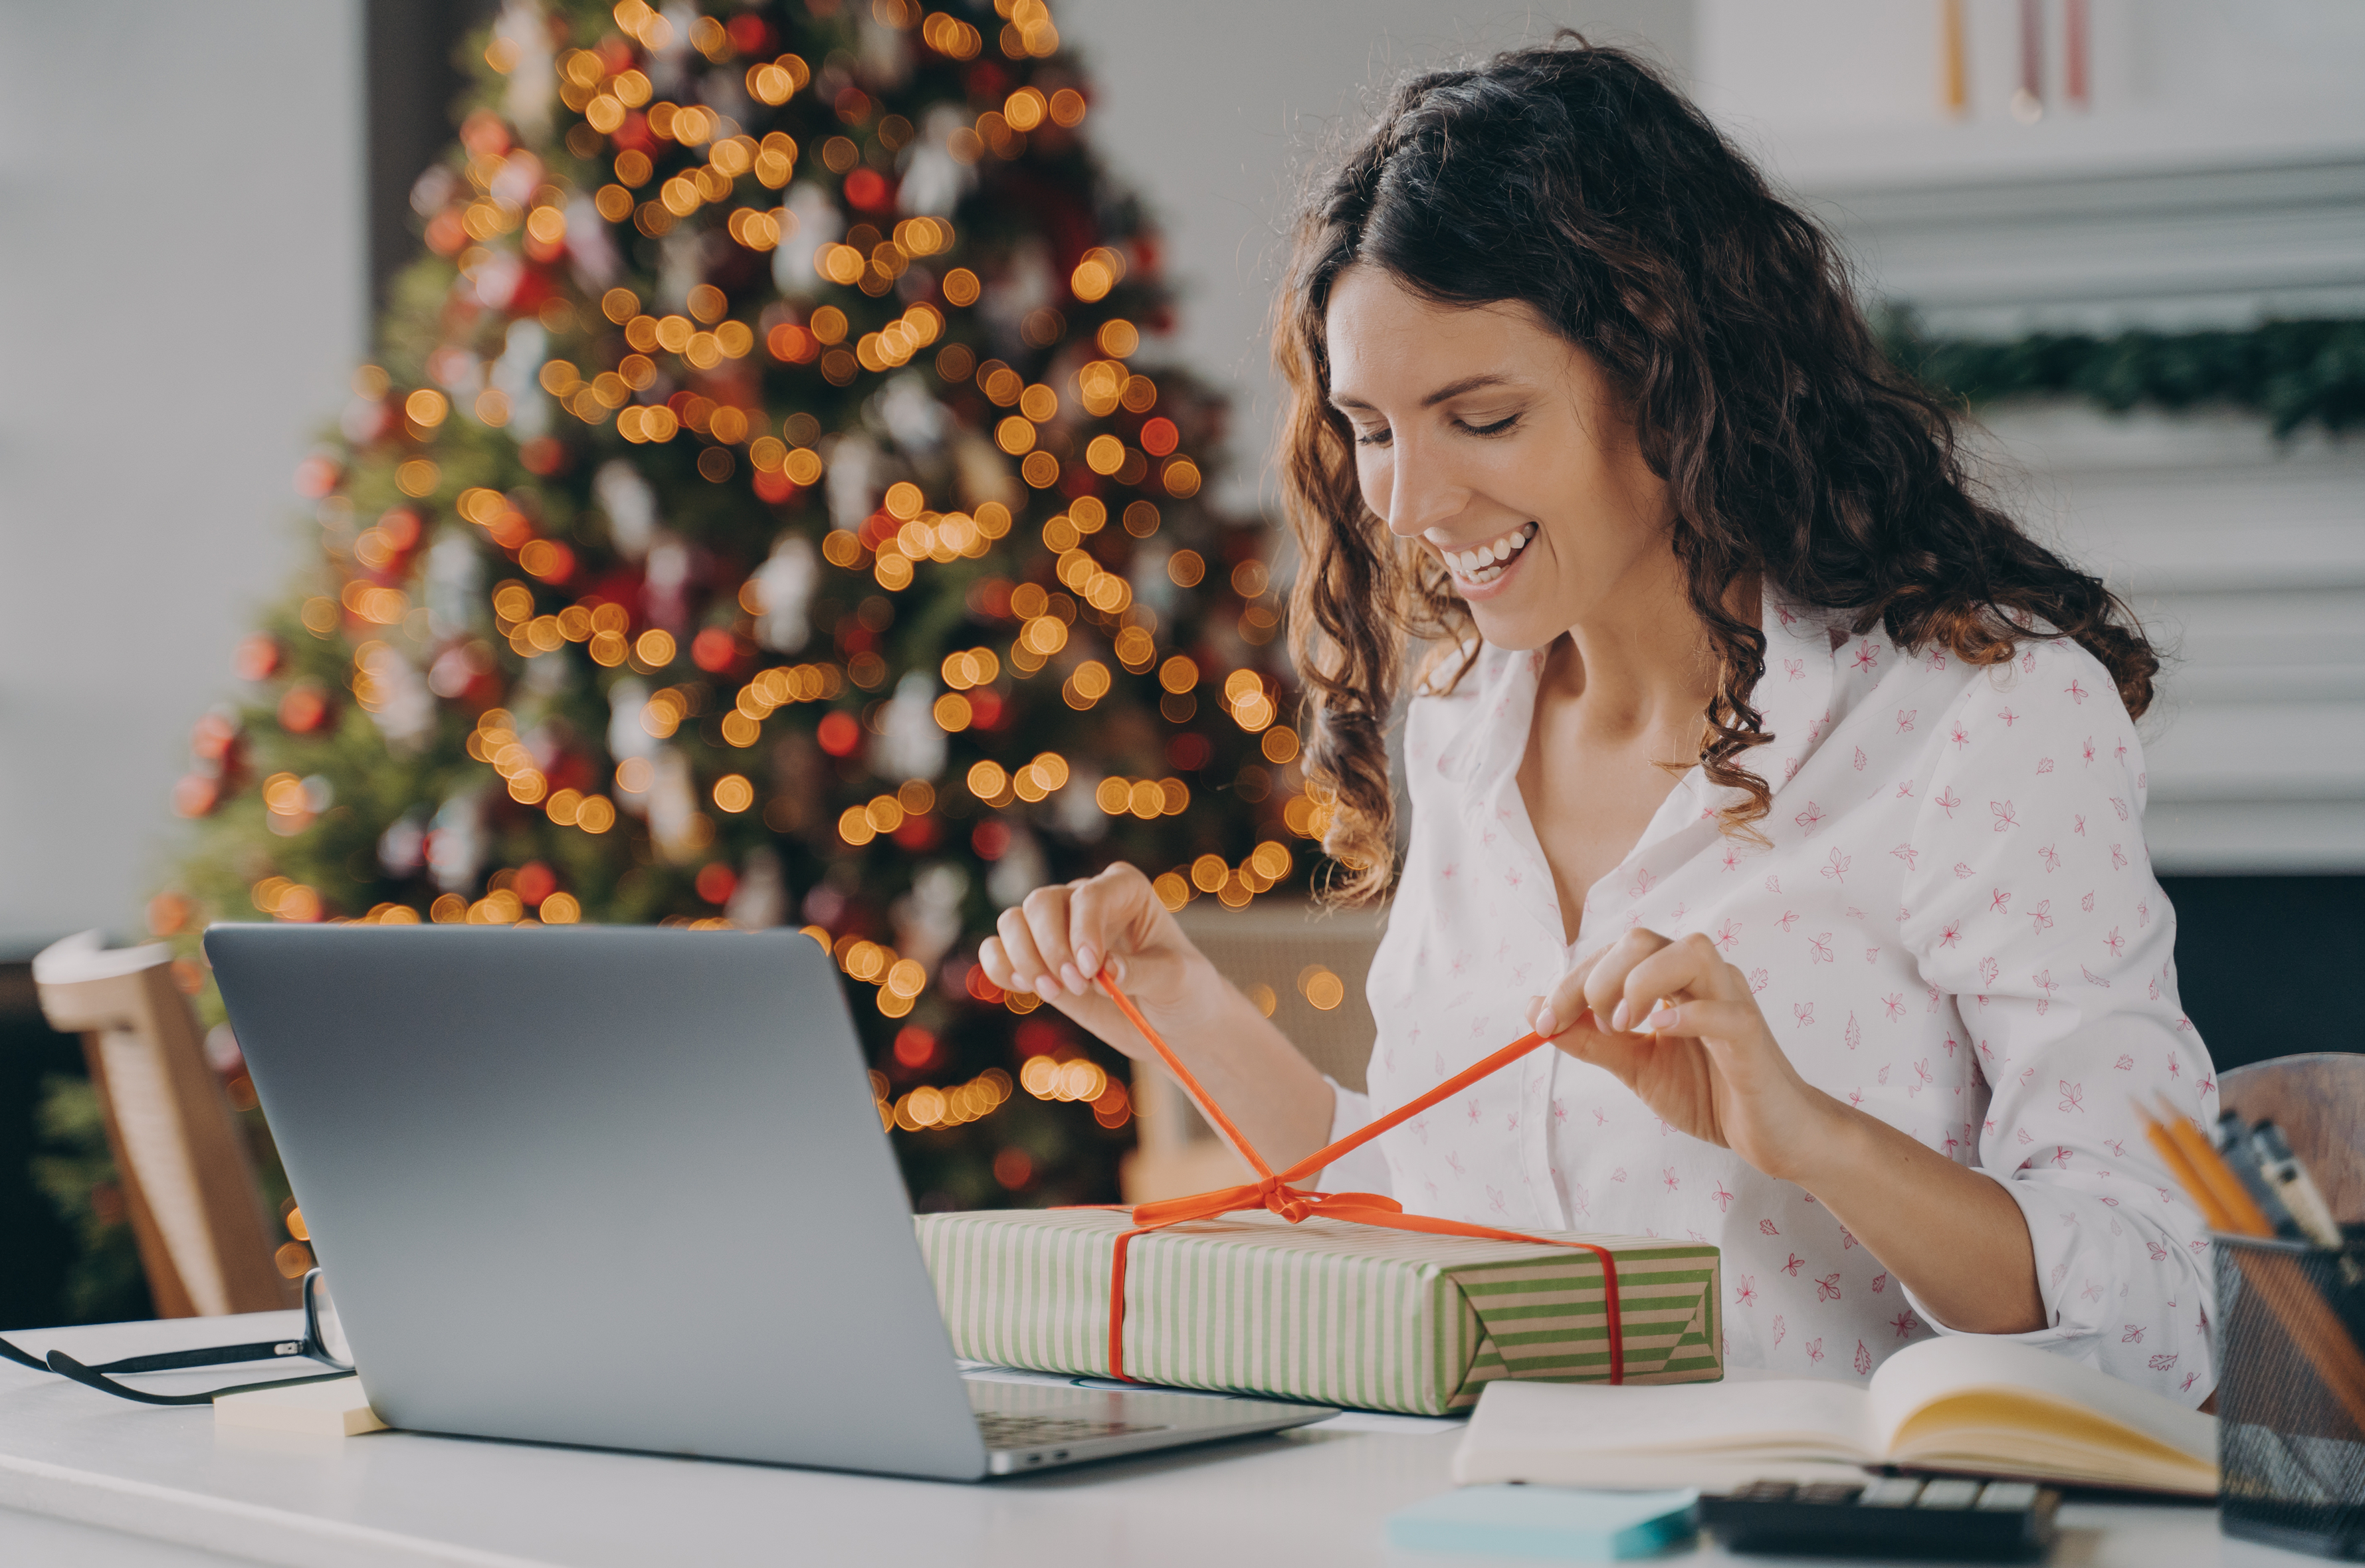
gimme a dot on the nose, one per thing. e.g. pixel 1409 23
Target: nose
pixel 1421 492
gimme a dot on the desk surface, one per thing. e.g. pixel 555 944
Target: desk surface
pixel 88 1479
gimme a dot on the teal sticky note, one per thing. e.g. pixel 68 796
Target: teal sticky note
pixel 1546 1521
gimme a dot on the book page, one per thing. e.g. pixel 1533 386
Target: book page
pixel 2149 1427
pixel 1789 1418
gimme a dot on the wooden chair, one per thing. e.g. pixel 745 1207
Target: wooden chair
pixel 205 1237
pixel 2318 1101
pixel 1312 966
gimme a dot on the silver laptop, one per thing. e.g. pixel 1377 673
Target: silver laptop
pixel 624 1187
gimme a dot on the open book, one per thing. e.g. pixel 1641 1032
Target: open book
pixel 1970 1405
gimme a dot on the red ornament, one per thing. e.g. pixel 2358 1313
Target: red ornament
pixel 715 882
pixel 914 1047
pixel 918 835
pixel 485 134
pixel 839 734
pixel 550 561
pixel 195 795
pixel 535 882
pixel 1039 1038
pixel 867 191
pixel 213 737
pixel 258 656
pixel 991 839
pixel 791 344
pixel 304 709
pixel 714 649
pixel 750 35
pixel 1159 436
pixel 400 527
pixel 986 710
pixel 774 487
pixel 316 476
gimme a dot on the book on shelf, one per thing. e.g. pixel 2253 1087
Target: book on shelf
pixel 1960 1404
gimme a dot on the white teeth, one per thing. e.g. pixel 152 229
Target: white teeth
pixel 1483 562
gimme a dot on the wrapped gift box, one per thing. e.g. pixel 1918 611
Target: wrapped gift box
pixel 1324 1310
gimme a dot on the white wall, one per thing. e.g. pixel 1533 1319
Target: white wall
pixel 181 289
pixel 1212 108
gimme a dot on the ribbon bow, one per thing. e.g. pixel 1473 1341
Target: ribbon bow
pixel 1277 1193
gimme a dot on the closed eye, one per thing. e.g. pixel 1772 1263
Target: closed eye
pixel 1499 427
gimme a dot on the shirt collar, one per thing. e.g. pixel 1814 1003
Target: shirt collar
pixel 1793 699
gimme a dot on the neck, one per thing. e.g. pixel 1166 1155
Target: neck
pixel 1641 664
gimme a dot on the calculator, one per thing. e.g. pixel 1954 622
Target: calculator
pixel 1902 1516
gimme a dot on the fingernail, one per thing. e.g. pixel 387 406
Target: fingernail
pixel 1546 1024
pixel 1618 1017
pixel 1088 961
pixel 1661 1017
pixel 1075 982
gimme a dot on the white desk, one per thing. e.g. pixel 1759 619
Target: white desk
pixel 89 1480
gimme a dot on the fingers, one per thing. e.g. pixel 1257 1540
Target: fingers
pixel 1108 917
pixel 1046 914
pixel 1629 984
pixel 1606 983
pixel 1690 969
pixel 1560 1009
pixel 1712 1022
pixel 1012 945
pixel 1058 939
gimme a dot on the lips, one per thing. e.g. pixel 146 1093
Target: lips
pixel 1483 562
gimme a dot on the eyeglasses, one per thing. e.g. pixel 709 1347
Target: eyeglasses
pixel 323 1341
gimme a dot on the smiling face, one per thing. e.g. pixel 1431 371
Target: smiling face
pixel 1497 444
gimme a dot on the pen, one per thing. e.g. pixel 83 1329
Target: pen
pixel 2242 1156
pixel 2296 1189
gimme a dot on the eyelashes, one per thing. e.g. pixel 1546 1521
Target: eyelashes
pixel 1383 437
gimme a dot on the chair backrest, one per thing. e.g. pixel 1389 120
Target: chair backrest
pixel 2318 1101
pixel 1313 966
pixel 188 1183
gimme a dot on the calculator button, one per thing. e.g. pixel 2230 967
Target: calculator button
pixel 1891 1492
pixel 1765 1492
pixel 1829 1494
pixel 2009 1497
pixel 1949 1494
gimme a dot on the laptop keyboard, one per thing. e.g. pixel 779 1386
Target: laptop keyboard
pixel 1006 1431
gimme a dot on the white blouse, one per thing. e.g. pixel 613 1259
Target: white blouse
pixel 1955 928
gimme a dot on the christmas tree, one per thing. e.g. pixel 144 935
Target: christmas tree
pixel 757 516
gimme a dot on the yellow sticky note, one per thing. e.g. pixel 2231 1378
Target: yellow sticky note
pixel 337 1408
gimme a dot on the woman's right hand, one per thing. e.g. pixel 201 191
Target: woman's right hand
pixel 1055 942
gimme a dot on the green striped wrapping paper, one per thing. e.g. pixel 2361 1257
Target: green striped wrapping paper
pixel 1326 1310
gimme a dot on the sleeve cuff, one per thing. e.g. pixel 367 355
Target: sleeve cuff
pixel 2060 1333
pixel 1364 1169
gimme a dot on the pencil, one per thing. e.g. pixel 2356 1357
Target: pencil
pixel 2241 1209
pixel 2181 1170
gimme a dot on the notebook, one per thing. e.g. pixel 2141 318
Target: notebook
pixel 1965 1405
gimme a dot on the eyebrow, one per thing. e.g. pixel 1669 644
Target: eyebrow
pixel 1450 390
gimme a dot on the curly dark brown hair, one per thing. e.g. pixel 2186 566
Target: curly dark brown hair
pixel 1574 179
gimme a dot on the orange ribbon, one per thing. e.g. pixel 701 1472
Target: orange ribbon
pixel 1276 1192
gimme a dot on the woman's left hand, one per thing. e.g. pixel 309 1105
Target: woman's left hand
pixel 1678 1026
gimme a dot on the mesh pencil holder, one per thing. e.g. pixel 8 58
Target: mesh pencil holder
pixel 2290 1394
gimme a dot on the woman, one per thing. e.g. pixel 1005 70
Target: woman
pixel 1788 788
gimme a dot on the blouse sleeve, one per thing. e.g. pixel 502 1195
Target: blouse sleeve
pixel 1363 1169
pixel 2031 903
